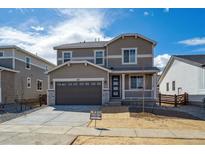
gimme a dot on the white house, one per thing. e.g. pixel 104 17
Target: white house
pixel 184 73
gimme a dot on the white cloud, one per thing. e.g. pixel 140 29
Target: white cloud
pixel 193 41
pixel 161 60
pixel 78 25
pixel 146 13
pixel 37 28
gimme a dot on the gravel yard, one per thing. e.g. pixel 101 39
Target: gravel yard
pixel 93 140
pixel 120 117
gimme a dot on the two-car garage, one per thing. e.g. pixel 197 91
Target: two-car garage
pixel 78 83
pixel 78 93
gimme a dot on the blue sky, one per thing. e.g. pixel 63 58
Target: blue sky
pixel 177 31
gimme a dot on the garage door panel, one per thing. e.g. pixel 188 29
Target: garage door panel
pixel 79 93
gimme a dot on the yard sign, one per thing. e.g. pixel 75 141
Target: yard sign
pixel 95 115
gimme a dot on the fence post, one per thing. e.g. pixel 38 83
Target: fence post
pixel 175 100
pixel 185 98
pixel 159 99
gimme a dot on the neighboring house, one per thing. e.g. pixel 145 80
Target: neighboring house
pixel 184 73
pixel 95 73
pixel 22 74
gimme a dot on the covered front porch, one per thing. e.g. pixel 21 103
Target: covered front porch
pixel 133 86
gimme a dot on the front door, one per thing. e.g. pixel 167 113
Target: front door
pixel 116 86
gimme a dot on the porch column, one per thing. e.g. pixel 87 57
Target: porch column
pixel 155 86
pixel 123 86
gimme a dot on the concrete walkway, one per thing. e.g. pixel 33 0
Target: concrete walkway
pixel 38 134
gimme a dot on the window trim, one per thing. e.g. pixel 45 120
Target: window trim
pixel 128 63
pixel 71 55
pixel 46 67
pixel 26 63
pixel 2 53
pixel 173 87
pixel 27 82
pixel 37 85
pixel 167 86
pixel 130 87
pixel 103 57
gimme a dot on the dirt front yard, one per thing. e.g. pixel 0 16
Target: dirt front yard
pixel 120 117
pixel 93 140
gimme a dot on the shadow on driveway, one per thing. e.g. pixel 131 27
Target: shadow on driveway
pixel 76 108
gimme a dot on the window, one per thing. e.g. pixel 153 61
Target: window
pixel 67 55
pixel 173 86
pixel 1 53
pixel 167 86
pixel 46 68
pixel 137 82
pixel 28 63
pixel 39 85
pixel 99 57
pixel 129 56
pixel 28 82
pixel 202 79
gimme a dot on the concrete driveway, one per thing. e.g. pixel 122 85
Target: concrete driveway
pixel 46 126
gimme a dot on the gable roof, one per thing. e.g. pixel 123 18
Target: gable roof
pixel 8 69
pixel 78 62
pixel 100 44
pixel 26 52
pixel 132 34
pixel 195 60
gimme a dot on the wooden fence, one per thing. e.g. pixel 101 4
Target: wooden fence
pixel 173 99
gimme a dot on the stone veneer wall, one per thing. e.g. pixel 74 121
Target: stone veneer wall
pixel 51 97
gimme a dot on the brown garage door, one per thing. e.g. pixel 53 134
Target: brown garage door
pixel 79 93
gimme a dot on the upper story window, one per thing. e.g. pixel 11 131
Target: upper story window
pixel 173 85
pixel 167 86
pixel 46 67
pixel 136 82
pixel 1 53
pixel 99 57
pixel 129 56
pixel 28 63
pixel 67 55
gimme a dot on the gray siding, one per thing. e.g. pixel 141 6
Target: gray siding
pixel 8 86
pixel 8 63
pixel 35 73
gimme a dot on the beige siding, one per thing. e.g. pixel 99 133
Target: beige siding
pixel 7 86
pixel 143 48
pixel 79 54
pixel 79 71
pixel 148 81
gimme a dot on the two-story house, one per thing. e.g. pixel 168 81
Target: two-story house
pixel 95 73
pixel 22 74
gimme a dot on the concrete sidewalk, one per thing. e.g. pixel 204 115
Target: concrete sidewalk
pixel 149 133
pixel 39 134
